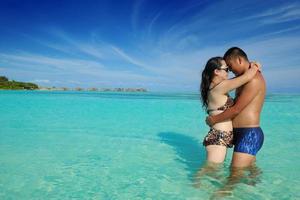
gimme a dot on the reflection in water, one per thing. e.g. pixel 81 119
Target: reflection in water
pixel 249 175
pixel 209 169
pixel 192 154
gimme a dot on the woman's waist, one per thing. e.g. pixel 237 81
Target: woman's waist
pixel 224 126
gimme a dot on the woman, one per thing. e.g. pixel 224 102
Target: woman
pixel 215 86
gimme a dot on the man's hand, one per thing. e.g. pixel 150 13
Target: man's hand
pixel 209 121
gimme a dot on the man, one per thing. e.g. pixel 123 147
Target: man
pixel 245 114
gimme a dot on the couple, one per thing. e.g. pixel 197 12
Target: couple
pixel 233 122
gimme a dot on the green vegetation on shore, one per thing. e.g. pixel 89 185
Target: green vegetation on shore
pixel 6 84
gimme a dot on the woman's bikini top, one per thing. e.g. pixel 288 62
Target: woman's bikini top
pixel 227 105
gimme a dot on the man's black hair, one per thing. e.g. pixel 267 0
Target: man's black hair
pixel 234 52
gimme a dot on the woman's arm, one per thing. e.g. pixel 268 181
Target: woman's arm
pixel 249 92
pixel 231 84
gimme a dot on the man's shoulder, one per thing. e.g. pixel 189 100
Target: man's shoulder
pixel 257 80
pixel 255 84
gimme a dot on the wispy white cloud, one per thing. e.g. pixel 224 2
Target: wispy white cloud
pixel 74 82
pixel 167 67
pixel 152 22
pixel 32 63
pixel 41 81
pixel 129 59
pixel 282 31
pixel 285 17
pixel 59 63
pixel 136 14
pixel 274 55
pixel 65 43
pixel 279 14
pixel 203 27
pixel 91 50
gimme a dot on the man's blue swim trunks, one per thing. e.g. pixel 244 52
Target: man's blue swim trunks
pixel 248 140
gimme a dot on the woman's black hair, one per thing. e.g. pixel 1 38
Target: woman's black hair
pixel 207 76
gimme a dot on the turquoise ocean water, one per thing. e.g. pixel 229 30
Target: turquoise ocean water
pixel 89 145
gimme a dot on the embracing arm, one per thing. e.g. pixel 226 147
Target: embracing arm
pixel 231 84
pixel 248 93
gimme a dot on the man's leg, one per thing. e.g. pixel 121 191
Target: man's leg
pixel 242 160
pixel 240 164
pixel 247 143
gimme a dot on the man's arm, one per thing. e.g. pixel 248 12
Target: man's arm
pixel 248 93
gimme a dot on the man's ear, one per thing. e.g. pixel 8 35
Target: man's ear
pixel 240 60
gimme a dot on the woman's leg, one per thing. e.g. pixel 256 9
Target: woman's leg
pixel 215 155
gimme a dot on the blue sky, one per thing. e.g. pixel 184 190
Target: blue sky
pixel 159 45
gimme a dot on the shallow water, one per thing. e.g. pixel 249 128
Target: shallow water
pixel 90 145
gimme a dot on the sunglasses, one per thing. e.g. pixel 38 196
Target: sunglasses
pixel 225 69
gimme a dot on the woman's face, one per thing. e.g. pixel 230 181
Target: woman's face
pixel 223 70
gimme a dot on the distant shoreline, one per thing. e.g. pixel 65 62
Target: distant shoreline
pixel 6 84
pixel 79 89
pixel 93 89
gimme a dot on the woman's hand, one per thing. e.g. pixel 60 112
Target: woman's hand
pixel 251 71
pixel 255 64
